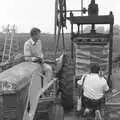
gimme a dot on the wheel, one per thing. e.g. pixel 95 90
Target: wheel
pixel 57 112
pixel 66 76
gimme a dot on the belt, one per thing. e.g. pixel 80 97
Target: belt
pixel 94 99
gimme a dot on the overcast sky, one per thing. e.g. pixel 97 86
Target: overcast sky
pixel 40 13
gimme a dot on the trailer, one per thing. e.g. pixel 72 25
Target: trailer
pixel 27 94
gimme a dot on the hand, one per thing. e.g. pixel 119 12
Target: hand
pixel 37 59
pixel 34 59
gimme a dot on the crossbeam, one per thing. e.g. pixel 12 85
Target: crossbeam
pixel 103 19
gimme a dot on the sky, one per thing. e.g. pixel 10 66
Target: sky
pixel 26 14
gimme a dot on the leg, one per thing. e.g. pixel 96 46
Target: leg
pixel 47 71
pixel 28 108
pixel 98 115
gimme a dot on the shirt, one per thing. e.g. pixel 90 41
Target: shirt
pixel 94 86
pixel 31 50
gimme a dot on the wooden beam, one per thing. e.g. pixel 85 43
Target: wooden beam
pixel 103 19
pixel 32 112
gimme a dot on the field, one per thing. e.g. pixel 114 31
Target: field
pixel 49 48
pixel 49 43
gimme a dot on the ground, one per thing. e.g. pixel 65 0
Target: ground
pixel 114 114
pixel 70 118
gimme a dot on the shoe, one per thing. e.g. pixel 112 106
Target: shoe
pixel 86 111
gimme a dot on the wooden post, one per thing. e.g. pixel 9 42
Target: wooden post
pixel 81 15
pixel 71 15
pixel 110 56
pixel 78 28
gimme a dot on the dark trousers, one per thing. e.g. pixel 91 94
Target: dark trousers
pixel 28 108
pixel 92 103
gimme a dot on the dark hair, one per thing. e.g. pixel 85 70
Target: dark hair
pixel 94 68
pixel 34 31
pixel 92 1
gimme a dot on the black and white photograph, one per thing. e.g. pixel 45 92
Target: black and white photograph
pixel 60 60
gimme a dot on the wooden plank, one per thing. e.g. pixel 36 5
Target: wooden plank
pixel 91 43
pixel 84 61
pixel 92 35
pixel 90 47
pixel 100 59
pixel 82 52
pixel 36 99
pixel 82 55
pixel 81 69
pixel 91 56
pixel 112 104
pixel 106 19
pixel 82 64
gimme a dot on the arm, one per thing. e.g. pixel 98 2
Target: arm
pixel 79 82
pixel 27 52
pixel 106 87
pixel 40 51
pixel 29 56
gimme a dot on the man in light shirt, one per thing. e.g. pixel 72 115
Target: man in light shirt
pixel 33 53
pixel 94 88
pixel 33 46
pixel 33 50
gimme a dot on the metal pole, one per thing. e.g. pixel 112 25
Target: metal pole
pixel 81 15
pixel 72 40
pixel 11 39
pixel 6 38
pixel 110 56
pixel 55 24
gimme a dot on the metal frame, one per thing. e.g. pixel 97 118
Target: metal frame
pixel 82 20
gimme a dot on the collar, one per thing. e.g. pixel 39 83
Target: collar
pixel 94 73
pixel 32 41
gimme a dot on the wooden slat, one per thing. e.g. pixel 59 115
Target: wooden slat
pixel 32 112
pixel 87 54
pixel 92 35
pixel 85 61
pixel 87 47
pixel 106 19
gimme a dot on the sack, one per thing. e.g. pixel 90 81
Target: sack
pixel 79 104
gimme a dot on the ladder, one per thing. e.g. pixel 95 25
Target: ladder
pixel 9 37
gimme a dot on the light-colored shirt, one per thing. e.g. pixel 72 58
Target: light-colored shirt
pixel 31 50
pixel 94 86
